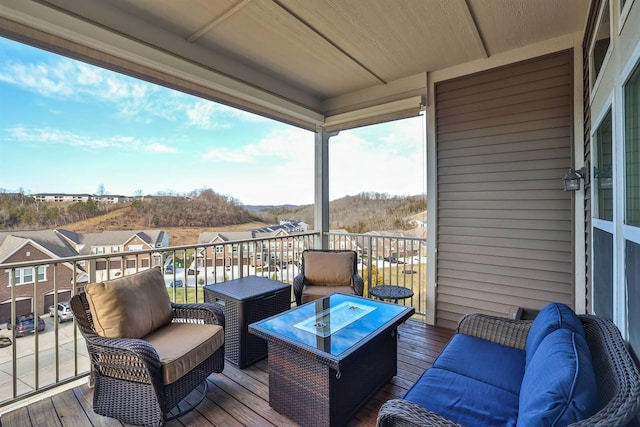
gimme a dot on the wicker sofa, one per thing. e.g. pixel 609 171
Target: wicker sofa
pixel 612 395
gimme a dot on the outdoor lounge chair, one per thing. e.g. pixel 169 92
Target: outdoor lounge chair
pixel 146 353
pixel 324 272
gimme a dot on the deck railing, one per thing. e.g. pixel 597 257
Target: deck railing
pixel 57 355
pixel 389 260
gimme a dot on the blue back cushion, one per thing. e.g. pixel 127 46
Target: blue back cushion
pixel 559 384
pixel 552 317
pixel 477 358
pixel 464 400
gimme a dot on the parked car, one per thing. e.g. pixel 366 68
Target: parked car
pixel 64 311
pixel 168 269
pixel 177 284
pixel 408 272
pixel 25 325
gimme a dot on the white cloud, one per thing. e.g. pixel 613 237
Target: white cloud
pixel 283 144
pixel 204 114
pixel 159 148
pixel 57 136
pixel 63 78
pixel 385 158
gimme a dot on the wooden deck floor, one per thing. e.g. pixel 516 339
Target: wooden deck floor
pixel 241 397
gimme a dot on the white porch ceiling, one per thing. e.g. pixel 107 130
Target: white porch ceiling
pixel 307 58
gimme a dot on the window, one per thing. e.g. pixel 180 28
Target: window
pixel 631 230
pixel 100 250
pixel 23 276
pixel 135 248
pixel 219 249
pixel 602 170
pixel 601 44
pixel 625 7
pixel 632 271
pixel 115 249
pixel 632 149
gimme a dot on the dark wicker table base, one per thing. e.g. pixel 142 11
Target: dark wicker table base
pixel 312 394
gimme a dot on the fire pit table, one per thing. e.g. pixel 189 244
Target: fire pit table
pixel 328 357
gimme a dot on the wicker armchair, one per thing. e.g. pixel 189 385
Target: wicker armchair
pixel 327 272
pixel 130 383
pixel 616 374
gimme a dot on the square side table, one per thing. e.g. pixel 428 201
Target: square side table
pixel 244 301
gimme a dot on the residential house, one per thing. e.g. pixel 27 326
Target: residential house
pixel 418 220
pixel 118 242
pixel 21 246
pixel 398 244
pixel 341 240
pixel 61 197
pixel 270 247
pixel 111 199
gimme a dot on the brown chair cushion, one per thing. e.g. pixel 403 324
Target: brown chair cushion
pixel 328 268
pixel 310 293
pixel 183 346
pixel 130 306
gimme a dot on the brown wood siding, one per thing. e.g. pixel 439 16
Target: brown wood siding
pixel 504 139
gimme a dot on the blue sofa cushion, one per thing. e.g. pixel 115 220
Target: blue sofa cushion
pixel 485 361
pixel 552 317
pixel 559 384
pixel 464 400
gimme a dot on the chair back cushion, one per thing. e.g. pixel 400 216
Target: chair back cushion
pixel 328 268
pixel 131 306
pixel 559 385
pixel 552 317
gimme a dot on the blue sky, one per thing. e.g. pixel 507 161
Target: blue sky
pixel 70 127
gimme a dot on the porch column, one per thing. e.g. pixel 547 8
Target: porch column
pixel 321 207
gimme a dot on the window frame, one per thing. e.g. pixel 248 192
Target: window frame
pixel 594 83
pixel 22 271
pixel 624 13
pixel 603 224
pixel 630 68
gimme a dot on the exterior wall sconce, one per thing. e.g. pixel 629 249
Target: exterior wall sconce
pixel 571 181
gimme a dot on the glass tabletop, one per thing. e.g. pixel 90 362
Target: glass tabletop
pixel 333 324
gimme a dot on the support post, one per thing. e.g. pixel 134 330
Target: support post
pixel 321 207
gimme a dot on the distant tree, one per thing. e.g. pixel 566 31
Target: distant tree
pixel 101 191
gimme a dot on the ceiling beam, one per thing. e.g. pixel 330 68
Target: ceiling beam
pixel 217 21
pixel 473 26
pixel 328 40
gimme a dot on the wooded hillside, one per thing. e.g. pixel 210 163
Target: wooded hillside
pixel 357 214
pixel 203 208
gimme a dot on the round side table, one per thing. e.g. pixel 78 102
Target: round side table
pixel 391 292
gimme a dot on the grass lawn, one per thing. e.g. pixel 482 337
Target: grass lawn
pixel 397 274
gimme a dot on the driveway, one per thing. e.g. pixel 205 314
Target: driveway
pixel 25 349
